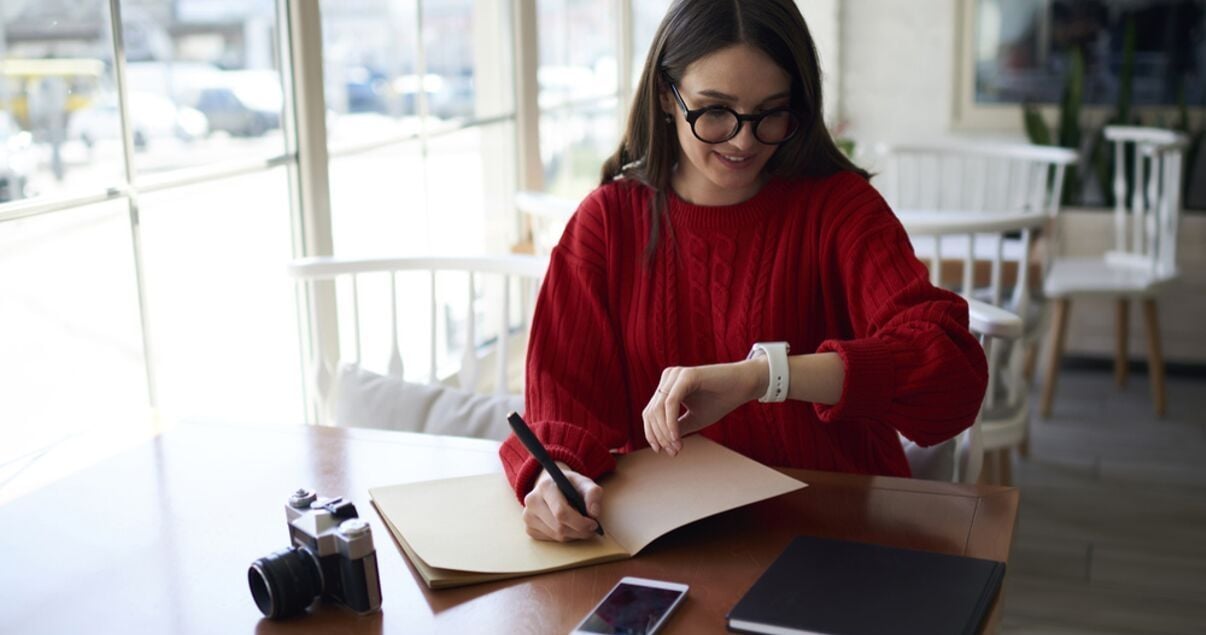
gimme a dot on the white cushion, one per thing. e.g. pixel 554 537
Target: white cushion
pixel 933 463
pixel 370 400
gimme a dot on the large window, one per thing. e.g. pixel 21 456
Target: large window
pixel 421 111
pixel 1013 52
pixel 144 221
pixel 578 87
pixel 1024 49
pixel 160 163
pixel 71 362
pixel 56 86
pixel 420 101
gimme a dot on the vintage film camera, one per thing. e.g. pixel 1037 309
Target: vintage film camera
pixel 332 556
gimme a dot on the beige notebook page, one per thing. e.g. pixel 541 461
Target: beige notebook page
pixel 475 524
pixel 447 578
pixel 651 494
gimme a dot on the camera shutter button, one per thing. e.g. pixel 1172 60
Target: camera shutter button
pixel 353 527
pixel 302 498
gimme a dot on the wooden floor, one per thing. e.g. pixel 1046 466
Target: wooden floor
pixel 1111 534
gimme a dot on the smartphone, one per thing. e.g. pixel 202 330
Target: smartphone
pixel 634 606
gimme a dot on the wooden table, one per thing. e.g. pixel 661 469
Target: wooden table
pixel 925 224
pixel 158 540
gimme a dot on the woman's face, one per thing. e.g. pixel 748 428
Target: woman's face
pixel 745 79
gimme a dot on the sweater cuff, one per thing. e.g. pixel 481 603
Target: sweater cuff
pixel 571 444
pixel 867 385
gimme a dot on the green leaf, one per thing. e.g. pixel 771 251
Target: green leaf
pixel 1070 104
pixel 1036 129
pixel 1182 109
pixel 1188 168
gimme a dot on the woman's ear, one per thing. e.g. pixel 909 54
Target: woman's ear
pixel 666 101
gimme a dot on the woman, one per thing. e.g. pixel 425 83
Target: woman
pixel 728 219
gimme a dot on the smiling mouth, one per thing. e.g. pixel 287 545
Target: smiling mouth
pixel 735 160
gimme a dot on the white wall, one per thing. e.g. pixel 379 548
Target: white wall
pixel 824 22
pixel 897 68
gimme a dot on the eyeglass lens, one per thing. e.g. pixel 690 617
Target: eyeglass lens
pixel 719 124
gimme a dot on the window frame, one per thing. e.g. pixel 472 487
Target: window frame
pixel 306 153
pixel 969 116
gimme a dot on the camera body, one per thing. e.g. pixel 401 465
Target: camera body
pixel 331 556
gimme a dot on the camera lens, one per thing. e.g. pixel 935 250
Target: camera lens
pixel 284 583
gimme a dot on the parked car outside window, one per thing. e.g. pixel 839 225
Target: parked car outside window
pixel 16 159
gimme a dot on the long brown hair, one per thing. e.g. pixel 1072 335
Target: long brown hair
pixel 693 29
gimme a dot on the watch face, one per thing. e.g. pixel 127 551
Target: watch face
pixel 765 347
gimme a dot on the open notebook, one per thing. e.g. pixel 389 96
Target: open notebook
pixel 468 530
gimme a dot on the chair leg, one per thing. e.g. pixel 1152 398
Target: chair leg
pixel 1005 466
pixel 1059 327
pixel 1031 360
pixel 1024 446
pixel 1155 358
pixel 988 469
pixel 1121 328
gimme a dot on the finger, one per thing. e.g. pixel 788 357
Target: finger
pixel 672 407
pixel 566 522
pixel 658 411
pixel 534 513
pixel 647 421
pixel 592 494
pixel 569 523
pixel 544 509
pixel 535 525
pixel 688 423
pixel 654 409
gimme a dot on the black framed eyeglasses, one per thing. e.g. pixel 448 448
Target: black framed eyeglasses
pixel 717 124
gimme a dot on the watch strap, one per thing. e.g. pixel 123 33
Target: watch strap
pixel 780 379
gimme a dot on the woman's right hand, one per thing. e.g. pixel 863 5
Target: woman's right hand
pixel 548 516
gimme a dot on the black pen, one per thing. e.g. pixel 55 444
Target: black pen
pixel 529 441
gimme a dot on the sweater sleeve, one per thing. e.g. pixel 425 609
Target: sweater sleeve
pixel 911 363
pixel 576 399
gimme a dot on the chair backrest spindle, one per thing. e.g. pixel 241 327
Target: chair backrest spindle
pixel 1147 239
pixel 356 316
pixel 395 354
pixel 468 374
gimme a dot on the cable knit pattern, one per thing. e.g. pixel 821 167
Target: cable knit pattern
pixel 722 278
pixel 820 263
pixel 699 301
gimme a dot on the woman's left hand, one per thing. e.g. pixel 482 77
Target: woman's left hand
pixel 706 393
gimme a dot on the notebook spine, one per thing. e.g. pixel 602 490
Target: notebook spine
pixel 987 593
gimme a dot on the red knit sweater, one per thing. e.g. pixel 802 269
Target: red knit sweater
pixel 822 264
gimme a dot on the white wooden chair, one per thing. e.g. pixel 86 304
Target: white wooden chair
pixel 961 459
pixel 449 396
pixel 973 176
pixel 944 193
pixel 1004 418
pixel 978 177
pixel 1144 258
pixel 963 177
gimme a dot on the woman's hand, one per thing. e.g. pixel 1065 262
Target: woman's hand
pixel 548 516
pixel 707 393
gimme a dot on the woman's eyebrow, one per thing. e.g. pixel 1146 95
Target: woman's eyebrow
pixel 715 94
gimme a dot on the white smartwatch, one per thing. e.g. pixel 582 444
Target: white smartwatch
pixel 780 378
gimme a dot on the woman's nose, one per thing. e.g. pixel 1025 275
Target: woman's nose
pixel 745 139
